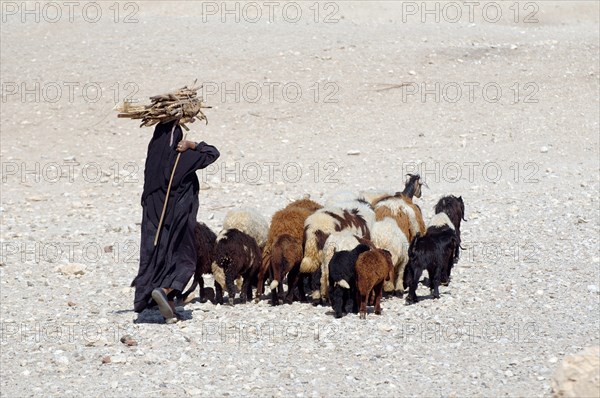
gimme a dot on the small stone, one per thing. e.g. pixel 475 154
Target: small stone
pixel 544 149
pixel 71 304
pixel 513 46
pixel 592 288
pixel 128 340
pixel 106 359
pixel 509 373
pixel 540 292
pixel 72 269
pixel 353 152
pixel 553 360
pixel 108 249
pixel 412 72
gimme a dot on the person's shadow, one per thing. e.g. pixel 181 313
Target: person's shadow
pixel 152 315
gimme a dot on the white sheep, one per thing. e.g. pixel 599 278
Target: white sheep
pixel 386 234
pixel 250 222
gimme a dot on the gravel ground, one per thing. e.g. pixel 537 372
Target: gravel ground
pixel 526 162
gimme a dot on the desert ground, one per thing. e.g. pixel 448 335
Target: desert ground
pixel 495 102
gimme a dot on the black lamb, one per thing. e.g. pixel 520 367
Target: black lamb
pixel 342 279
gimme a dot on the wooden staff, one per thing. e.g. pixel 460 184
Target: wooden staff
pixel 162 216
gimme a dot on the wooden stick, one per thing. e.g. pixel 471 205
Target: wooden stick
pixel 168 192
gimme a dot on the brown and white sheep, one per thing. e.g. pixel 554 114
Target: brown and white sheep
pixel 401 208
pixel 287 221
pixel 373 268
pixel 356 216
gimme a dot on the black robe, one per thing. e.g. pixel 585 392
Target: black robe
pixel 171 263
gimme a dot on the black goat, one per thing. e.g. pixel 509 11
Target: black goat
pixel 433 252
pixel 455 210
pixel 205 245
pixel 342 279
pixel 238 255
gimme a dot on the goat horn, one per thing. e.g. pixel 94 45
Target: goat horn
pixel 424 184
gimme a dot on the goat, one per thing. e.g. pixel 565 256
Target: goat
pixel 205 244
pixel 372 269
pixel 433 252
pixel 342 279
pixel 454 208
pixel 236 254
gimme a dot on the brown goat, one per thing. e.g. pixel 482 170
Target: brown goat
pixel 287 221
pixel 286 254
pixel 373 268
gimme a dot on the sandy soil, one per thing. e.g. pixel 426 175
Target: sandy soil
pixel 504 113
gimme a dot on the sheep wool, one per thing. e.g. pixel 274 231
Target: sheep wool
pixel 250 222
pixel 337 241
pixel 323 223
pixel 386 234
pixel 440 220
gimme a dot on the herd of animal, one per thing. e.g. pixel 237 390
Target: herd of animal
pixel 347 252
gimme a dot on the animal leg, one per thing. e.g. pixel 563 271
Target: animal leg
pixel 230 281
pixel 378 289
pixel 201 284
pixel 435 282
pixel 218 293
pixel 292 279
pixel 412 290
pixel 363 305
pixel 398 284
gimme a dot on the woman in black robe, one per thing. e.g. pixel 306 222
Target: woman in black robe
pixel 166 268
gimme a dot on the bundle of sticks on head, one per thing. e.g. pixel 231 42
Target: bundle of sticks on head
pixel 183 104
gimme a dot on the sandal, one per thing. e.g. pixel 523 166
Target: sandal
pixel 160 297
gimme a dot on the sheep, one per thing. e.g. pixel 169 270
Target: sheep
pixel 386 234
pixel 342 279
pixel 327 220
pixel 286 254
pixel 374 196
pixel 205 244
pixel 356 216
pixel 337 241
pixel 287 221
pixel 236 254
pixel 305 203
pixel 250 222
pixel 454 208
pixel 373 268
pixel 433 252
pixel 401 208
